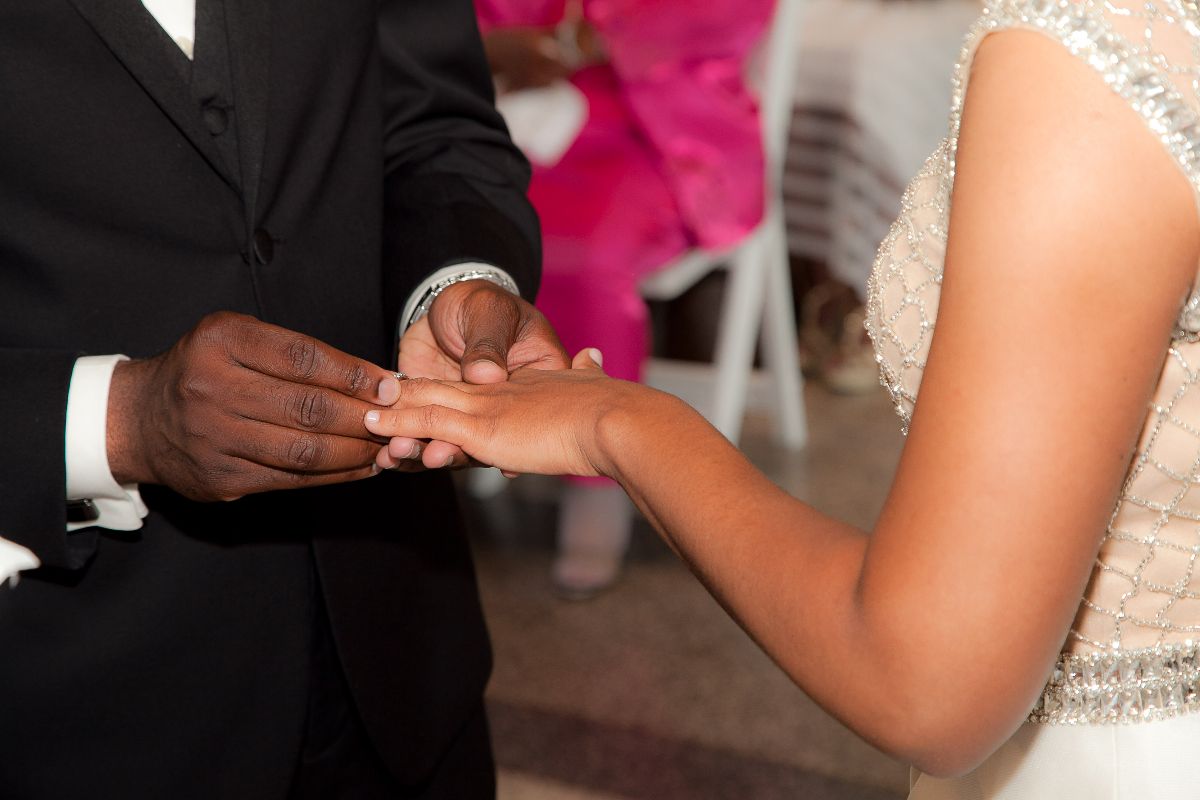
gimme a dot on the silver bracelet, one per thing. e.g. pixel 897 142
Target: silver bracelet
pixel 491 276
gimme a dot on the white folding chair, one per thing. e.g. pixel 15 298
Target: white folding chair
pixel 758 295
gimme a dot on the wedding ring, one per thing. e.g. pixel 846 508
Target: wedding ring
pixel 400 376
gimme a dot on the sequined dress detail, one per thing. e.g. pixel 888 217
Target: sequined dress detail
pixel 1132 653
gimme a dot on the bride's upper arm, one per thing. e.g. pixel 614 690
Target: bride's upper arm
pixel 1073 242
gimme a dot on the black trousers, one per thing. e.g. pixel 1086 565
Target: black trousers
pixel 337 759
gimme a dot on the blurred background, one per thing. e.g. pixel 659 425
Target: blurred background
pixel 713 180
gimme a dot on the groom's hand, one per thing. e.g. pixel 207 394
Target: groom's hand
pixel 480 333
pixel 238 406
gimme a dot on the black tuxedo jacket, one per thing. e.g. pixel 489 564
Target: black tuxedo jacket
pixel 315 163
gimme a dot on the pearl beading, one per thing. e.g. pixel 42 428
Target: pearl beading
pixel 1137 686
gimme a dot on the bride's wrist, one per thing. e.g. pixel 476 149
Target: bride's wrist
pixel 629 427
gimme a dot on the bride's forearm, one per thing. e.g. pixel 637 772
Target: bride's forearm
pixel 789 575
pixel 796 581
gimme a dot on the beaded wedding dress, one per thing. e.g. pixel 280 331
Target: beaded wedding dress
pixel 1120 714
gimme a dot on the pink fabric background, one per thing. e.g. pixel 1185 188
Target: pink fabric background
pixel 670 158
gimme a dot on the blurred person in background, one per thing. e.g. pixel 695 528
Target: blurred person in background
pixel 645 141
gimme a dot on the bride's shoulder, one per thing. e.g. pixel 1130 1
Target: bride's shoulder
pixel 1146 51
pixel 1159 26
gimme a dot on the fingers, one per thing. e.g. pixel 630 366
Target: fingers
pixel 425 407
pixel 301 452
pixel 384 460
pixel 490 322
pixel 301 407
pixel 300 480
pixel 412 454
pixel 402 448
pixel 269 458
pixel 297 358
pixel 417 392
pixel 443 455
pixel 589 358
pixel 493 332
pixel 432 422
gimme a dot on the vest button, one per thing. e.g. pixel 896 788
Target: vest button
pixel 264 247
pixel 216 119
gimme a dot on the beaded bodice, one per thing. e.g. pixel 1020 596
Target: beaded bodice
pixel 1131 652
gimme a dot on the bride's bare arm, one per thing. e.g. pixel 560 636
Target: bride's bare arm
pixel 1073 243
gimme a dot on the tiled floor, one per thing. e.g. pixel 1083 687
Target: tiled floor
pixel 650 691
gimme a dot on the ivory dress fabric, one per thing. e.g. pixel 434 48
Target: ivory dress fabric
pixel 1118 717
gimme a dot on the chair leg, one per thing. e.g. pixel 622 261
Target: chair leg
pixel 737 333
pixel 779 340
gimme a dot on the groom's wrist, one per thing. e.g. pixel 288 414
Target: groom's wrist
pixel 421 300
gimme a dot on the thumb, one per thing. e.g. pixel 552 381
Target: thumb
pixel 485 355
pixel 589 358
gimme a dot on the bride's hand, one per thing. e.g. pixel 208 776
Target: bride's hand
pixel 540 421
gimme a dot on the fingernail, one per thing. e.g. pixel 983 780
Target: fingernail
pixel 389 391
pixel 596 356
pixel 449 462
pixel 373 417
pixel 415 452
pixel 375 470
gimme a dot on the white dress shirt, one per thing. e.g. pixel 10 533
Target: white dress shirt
pixel 89 476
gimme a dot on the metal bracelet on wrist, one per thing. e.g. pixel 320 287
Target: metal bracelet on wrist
pixel 431 294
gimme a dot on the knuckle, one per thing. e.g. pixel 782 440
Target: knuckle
pixel 303 453
pixel 217 328
pixel 357 379
pixel 411 391
pixel 430 416
pixel 195 432
pixel 193 387
pixel 302 357
pixel 310 408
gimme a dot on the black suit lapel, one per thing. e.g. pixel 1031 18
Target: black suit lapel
pixel 249 29
pixel 134 37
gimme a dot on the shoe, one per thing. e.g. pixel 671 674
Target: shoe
pixel 593 534
pixel 581 575
pixel 851 368
pixel 817 337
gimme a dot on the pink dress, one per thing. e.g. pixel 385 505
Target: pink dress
pixel 670 158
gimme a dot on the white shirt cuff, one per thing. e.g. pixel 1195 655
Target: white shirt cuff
pixel 444 274
pixel 14 559
pixel 88 474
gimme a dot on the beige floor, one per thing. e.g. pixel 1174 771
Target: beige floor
pixel 519 786
pixel 654 672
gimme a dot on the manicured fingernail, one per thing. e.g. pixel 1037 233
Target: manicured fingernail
pixel 375 470
pixel 389 391
pixel 449 462
pixel 415 451
pixel 373 417
pixel 596 355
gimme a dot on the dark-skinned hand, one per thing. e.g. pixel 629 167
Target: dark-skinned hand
pixel 238 406
pixel 476 332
